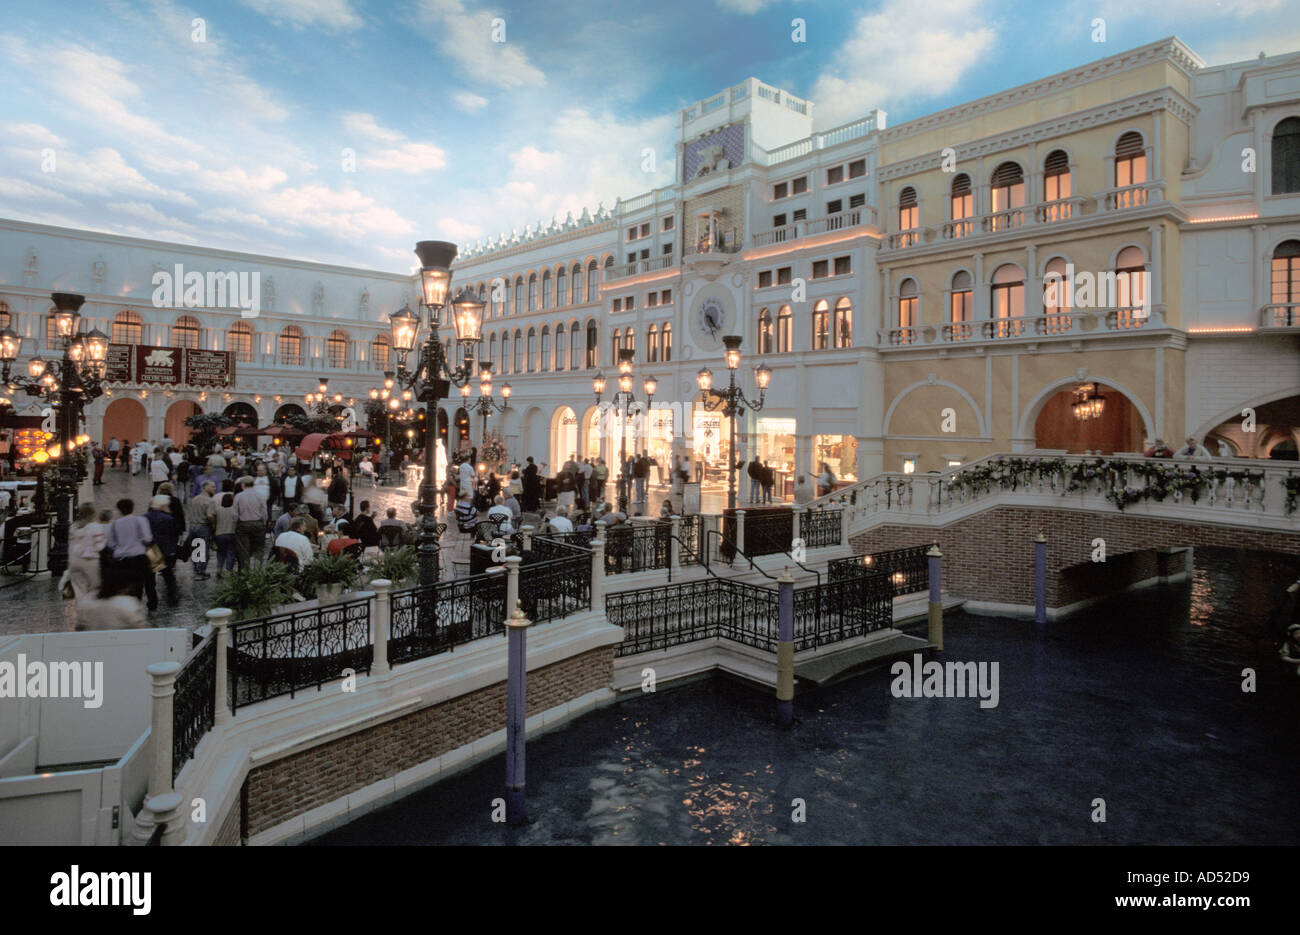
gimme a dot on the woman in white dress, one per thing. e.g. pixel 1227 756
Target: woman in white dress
pixel 86 539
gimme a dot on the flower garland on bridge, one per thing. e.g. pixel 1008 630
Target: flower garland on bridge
pixel 1155 479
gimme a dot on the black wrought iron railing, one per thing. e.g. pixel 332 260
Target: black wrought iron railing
pixel 907 570
pixel 194 705
pixel 432 619
pixel 691 539
pixel 817 528
pixel 287 652
pixel 768 533
pixel 670 615
pixel 632 547
pixel 556 588
pixel 855 604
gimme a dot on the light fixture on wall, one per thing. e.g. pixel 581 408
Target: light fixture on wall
pixel 1088 403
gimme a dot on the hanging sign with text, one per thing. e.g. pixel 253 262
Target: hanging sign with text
pixel 168 366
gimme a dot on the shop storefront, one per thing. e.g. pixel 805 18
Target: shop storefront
pixel 774 445
pixel 711 445
pixel 840 453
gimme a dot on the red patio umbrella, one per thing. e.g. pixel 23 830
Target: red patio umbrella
pixel 281 431
pixel 308 446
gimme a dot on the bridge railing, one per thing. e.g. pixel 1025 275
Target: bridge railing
pixel 194 704
pixel 1208 489
pixel 906 571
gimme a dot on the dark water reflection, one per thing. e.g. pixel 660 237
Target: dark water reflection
pixel 1137 702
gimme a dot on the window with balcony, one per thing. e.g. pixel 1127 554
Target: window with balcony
pixel 575 347
pixel 593 343
pixel 291 345
pixel 843 326
pixel 128 328
pixel 765 279
pixel 764 331
pixel 857 168
pixel 1286 156
pixel 821 324
pixel 961 306
pixel 1056 186
pixel 778 220
pixel 857 201
pixel 1007 195
pixel 961 201
pixel 843 265
pixel 785 275
pixel 631 258
pixel 336 348
pixel 1286 273
pixel 668 249
pixel 784 330
pixel 834 207
pixel 185 333
pixel 666 341
pixel 239 341
pixel 1130 170
pixel 800 215
pixel 1130 288
pixel 835 175
pixel 1008 300
pixel 1056 296
pixel 629 339
pixel 909 298
pixel 909 215
pixel 820 269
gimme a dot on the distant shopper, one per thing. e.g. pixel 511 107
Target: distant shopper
pixel 803 492
pixel 1158 450
pixel 1193 450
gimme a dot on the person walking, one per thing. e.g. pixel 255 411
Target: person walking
pixel 114 449
pixel 223 533
pixel 86 540
pixel 250 523
pixel 201 516
pixel 166 532
pixel 566 488
pixel 754 470
pixel 99 456
pixel 768 480
pixel 158 473
pixel 641 474
pixel 128 538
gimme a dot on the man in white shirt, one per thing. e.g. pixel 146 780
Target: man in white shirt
pixel 466 478
pixel 159 472
pixel 296 542
pixel 499 512
pixel 560 522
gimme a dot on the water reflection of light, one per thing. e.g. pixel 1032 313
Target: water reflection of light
pixel 1201 608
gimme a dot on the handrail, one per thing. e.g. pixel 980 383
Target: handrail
pixel 699 559
pixel 787 554
pixel 739 551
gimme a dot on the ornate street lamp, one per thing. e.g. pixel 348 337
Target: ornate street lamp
pixel 68 384
pixel 432 376
pixel 622 404
pixel 732 401
pixel 485 405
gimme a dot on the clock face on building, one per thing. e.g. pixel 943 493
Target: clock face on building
pixel 711 318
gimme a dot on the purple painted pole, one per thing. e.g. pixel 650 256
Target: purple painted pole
pixel 1040 579
pixel 516 710
pixel 936 596
pixel 785 650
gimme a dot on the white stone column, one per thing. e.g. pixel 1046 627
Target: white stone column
pixel 981 290
pixel 1033 284
pixel 162 804
pixel 674 546
pixel 798 521
pixel 512 563
pixel 1156 296
pixel 381 625
pixel 598 570
pixel 219 618
pixel 740 530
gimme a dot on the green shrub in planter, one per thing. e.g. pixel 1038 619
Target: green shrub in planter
pixel 255 591
pixel 328 569
pixel 396 565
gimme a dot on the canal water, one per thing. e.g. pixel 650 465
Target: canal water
pixel 1137 702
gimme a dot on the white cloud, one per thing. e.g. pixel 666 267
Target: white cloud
pixel 333 14
pixel 743 6
pixel 468 101
pixel 346 213
pixel 234 216
pixel 105 173
pixel 144 212
pixel 890 57
pixel 1271 42
pixel 27 191
pixel 367 126
pixel 458 230
pixel 466 39
pixel 33 133
pixel 237 180
pixel 410 157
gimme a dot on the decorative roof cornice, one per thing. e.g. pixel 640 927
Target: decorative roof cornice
pixel 1166 99
pixel 527 246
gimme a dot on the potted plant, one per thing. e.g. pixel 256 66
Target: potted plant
pixel 255 591
pixel 395 565
pixel 328 576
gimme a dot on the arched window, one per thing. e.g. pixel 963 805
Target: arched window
pixel 1056 186
pixel 505 352
pixel 629 339
pixel 1056 296
pixel 765 331
pixel 575 284
pixel 909 215
pixel 652 344
pixel 961 307
pixel 291 345
pixel 128 327
pixel 492 352
pixel 519 295
pixel 821 323
pixel 666 342
pixel 546 289
pixel 593 343
pixel 1007 193
pixel 575 346
pixel 784 330
pixel 532 292
pixel 843 328
pixel 962 203
pixel 1008 294
pixel 909 297
pixel 532 350
pixel 1130 170
pixel 561 289
pixel 591 282
pixel 1286 284
pixel 1130 288
pixel 337 346
pixel 239 341
pixel 519 351
pixel 1286 156
pixel 546 348
pixel 185 332
pixel 615 342
pixel 381 349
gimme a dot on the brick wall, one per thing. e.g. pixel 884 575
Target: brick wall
pixel 229 834
pixel 281 790
pixel 990 556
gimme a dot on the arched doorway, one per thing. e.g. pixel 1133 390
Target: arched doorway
pixel 1272 434
pixel 241 414
pixel 442 425
pixel 1117 427
pixel 461 436
pixel 288 409
pixel 564 435
pixel 125 420
pixel 174 426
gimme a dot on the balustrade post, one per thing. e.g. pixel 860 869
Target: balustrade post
pixel 527 533
pixel 516 710
pixel 785 650
pixel 380 626
pixel 740 533
pixel 512 563
pixel 936 596
pixel 1040 579
pixel 219 618
pixel 797 521
pixel 161 804
pixel 674 547
pixel 844 524
pixel 598 570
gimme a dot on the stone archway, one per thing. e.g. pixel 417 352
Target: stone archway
pixel 241 414
pixel 564 435
pixel 287 410
pixel 125 420
pixel 174 426
pixel 1117 429
pixel 1273 432
pixel 1113 392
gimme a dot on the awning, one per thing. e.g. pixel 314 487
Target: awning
pixel 308 446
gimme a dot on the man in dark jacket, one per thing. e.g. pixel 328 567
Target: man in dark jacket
pixel 641 474
pixel 338 488
pixel 754 469
pixel 165 531
pixel 363 527
pixel 532 487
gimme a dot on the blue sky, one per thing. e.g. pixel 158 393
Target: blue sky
pixel 239 141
